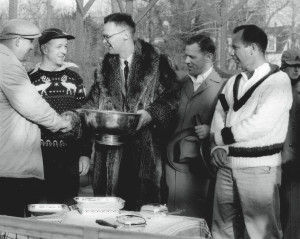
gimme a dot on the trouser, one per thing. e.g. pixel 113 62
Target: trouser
pixel 247 203
pixel 16 194
pixel 61 169
pixel 191 193
pixel 290 195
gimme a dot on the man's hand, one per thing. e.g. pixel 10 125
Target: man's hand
pixel 84 165
pixel 219 158
pixel 202 131
pixel 145 119
pixel 67 126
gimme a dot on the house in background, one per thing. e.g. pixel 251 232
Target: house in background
pixel 280 39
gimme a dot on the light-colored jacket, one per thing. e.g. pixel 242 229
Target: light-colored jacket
pixel 201 102
pixel 184 144
pixel 22 109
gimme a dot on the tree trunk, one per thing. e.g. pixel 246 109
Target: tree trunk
pixel 293 26
pixel 114 6
pixel 79 43
pixel 223 35
pixel 13 9
pixel 151 27
pixel 49 13
pixel 129 7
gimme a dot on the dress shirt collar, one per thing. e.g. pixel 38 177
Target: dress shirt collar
pixel 129 59
pixel 200 78
pixel 258 72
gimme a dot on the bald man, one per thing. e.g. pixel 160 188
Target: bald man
pixel 22 111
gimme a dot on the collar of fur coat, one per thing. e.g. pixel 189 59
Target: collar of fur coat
pixel 143 76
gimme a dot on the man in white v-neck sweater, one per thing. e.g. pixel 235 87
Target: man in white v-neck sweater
pixel 248 130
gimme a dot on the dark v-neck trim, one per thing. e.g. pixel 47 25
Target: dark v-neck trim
pixel 237 104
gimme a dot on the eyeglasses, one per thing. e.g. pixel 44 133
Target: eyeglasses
pixel 106 37
pixel 28 39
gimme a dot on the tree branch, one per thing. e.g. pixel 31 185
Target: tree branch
pixel 277 10
pixel 146 10
pixel 122 9
pixel 234 10
pixel 80 7
pixel 212 11
pixel 88 6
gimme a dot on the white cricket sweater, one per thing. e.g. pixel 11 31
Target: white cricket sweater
pixel 254 126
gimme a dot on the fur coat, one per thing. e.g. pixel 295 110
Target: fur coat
pixel 135 171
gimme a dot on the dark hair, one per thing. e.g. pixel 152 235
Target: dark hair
pixel 122 19
pixel 253 34
pixel 204 42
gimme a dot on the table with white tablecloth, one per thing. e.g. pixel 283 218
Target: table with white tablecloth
pixel 157 224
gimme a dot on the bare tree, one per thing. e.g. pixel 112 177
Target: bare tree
pixel 114 6
pixel 13 9
pixel 49 13
pixel 129 6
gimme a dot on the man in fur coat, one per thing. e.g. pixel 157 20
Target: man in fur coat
pixel 133 77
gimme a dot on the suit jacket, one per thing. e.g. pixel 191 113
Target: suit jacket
pixel 201 103
pixel 21 109
pixel 291 147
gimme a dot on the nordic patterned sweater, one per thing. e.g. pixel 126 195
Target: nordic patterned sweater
pixel 252 119
pixel 64 91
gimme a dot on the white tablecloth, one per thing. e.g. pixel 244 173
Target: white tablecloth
pixel 162 224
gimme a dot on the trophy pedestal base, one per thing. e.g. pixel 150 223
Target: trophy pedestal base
pixel 109 139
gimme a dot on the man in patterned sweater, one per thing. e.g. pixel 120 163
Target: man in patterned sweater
pixel 248 130
pixel 63 89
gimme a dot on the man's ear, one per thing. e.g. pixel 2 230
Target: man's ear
pixel 209 57
pixel 126 35
pixel 44 49
pixel 17 42
pixel 254 48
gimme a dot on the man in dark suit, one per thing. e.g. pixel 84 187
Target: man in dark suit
pixel 290 185
pixel 188 180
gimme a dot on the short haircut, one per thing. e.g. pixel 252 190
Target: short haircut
pixel 121 19
pixel 253 34
pixel 204 42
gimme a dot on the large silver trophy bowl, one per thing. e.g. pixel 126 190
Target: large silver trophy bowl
pixel 110 127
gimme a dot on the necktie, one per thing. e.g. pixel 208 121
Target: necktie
pixel 126 72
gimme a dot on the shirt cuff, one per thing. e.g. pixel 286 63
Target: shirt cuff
pixel 225 147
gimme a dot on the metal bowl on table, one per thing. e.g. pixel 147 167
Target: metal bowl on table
pixel 110 127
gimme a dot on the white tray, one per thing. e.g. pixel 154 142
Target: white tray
pixel 100 202
pixel 40 209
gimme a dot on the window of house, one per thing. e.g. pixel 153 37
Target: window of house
pixel 271 44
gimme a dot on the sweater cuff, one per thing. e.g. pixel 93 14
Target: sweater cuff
pixel 227 136
pixel 86 151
